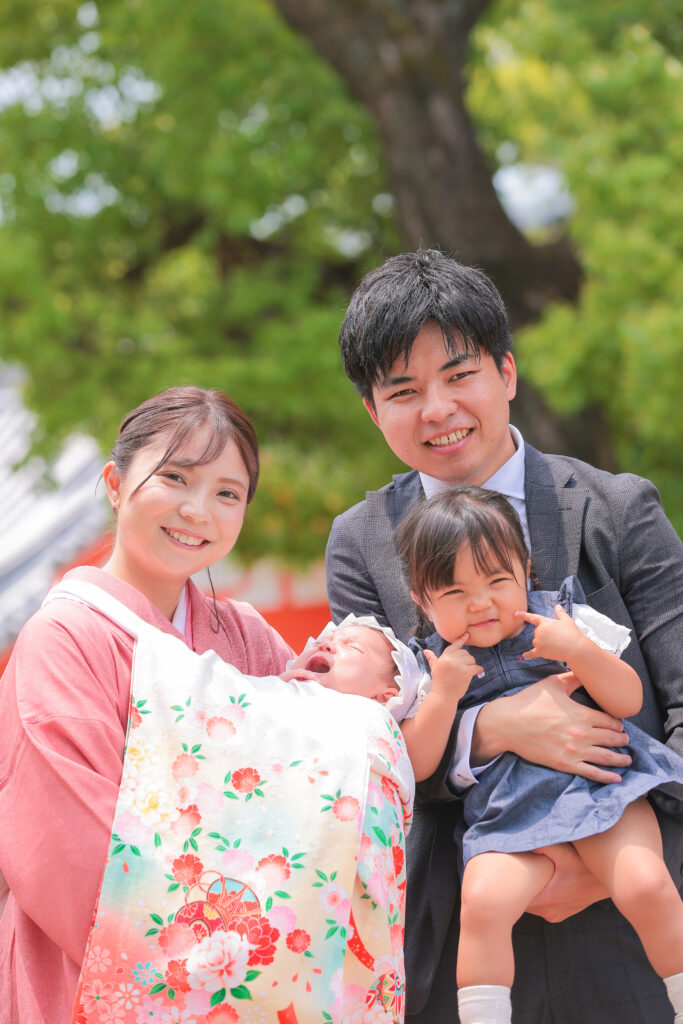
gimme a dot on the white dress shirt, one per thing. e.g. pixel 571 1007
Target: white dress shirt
pixel 508 481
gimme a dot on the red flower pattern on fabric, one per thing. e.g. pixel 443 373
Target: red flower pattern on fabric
pixel 187 869
pixel 223 1015
pixel 188 819
pixel 177 976
pixel 298 940
pixel 245 780
pixel 261 937
pixel 176 940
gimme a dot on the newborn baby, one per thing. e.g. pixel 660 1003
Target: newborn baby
pixel 361 657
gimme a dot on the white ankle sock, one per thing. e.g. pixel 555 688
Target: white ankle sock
pixel 484 1004
pixel 674 988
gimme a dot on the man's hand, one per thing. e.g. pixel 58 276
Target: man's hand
pixel 453 671
pixel 542 724
pixel 572 887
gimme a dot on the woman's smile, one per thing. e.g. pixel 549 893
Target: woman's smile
pixel 190 540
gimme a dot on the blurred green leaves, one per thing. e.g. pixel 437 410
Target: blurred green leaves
pixel 188 194
pixel 596 90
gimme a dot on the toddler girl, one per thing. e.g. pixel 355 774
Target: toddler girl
pixel 468 568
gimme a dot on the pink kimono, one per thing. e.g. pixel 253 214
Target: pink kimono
pixel 64 708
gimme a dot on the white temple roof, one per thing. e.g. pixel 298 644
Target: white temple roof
pixel 44 525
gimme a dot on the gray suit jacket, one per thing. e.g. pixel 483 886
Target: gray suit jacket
pixel 612 533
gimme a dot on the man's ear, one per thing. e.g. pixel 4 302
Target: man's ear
pixel 508 372
pixel 370 406
pixel 112 483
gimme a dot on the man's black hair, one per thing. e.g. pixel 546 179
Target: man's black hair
pixel 393 303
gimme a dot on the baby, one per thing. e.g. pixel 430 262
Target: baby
pixel 361 657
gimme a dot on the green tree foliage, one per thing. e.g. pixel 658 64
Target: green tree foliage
pixel 188 194
pixel 595 90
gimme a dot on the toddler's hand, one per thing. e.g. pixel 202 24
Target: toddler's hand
pixel 453 671
pixel 556 639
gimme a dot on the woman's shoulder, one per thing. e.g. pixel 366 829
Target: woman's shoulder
pixel 65 617
pixel 65 634
pixel 244 637
pixel 69 661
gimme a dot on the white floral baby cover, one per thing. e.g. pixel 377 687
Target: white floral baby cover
pixel 256 867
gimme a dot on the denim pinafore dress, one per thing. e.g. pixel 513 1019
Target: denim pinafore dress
pixel 516 805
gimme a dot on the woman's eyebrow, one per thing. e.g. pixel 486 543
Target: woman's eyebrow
pixel 231 480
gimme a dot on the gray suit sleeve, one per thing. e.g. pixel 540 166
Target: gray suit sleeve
pixel 651 557
pixel 350 587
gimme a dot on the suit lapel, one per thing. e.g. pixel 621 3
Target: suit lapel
pixel 555 508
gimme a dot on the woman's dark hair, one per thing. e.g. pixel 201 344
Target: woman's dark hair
pixel 176 415
pixel 433 532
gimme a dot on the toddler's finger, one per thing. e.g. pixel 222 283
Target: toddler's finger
pixel 431 658
pixel 560 613
pixel 459 642
pixel 530 617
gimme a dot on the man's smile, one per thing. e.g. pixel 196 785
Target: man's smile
pixel 446 439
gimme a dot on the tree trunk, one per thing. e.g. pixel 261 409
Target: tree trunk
pixel 404 60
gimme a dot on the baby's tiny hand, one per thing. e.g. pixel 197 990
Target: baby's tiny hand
pixel 453 671
pixel 556 639
pixel 300 674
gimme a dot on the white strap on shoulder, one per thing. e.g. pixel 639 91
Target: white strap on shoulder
pixel 97 598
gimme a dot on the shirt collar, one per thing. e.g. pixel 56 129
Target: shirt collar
pixel 180 615
pixel 508 480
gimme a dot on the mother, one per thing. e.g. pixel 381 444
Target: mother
pixel 182 472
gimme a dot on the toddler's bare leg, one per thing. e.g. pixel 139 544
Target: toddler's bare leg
pixel 627 858
pixel 496 890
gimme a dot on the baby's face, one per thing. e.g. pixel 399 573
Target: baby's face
pixel 354 659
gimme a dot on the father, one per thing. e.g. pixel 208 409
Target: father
pixel 427 344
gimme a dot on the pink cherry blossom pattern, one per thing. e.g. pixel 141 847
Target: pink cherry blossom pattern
pixel 176 940
pixel 219 728
pixel 273 870
pixel 185 766
pixel 346 808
